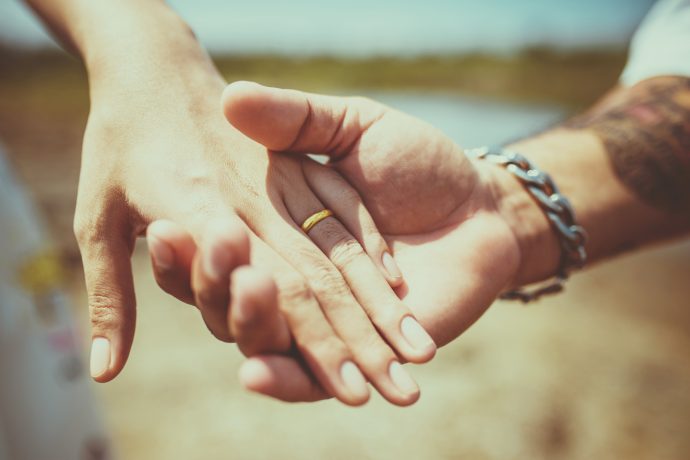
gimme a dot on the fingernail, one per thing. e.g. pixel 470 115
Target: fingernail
pixel 353 379
pixel 390 266
pixel 100 356
pixel 216 262
pixel 402 379
pixel 161 252
pixel 415 334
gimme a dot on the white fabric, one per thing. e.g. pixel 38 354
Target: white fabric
pixel 47 410
pixel 661 45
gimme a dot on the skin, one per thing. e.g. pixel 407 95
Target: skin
pixel 453 270
pixel 445 217
pixel 157 147
pixel 647 139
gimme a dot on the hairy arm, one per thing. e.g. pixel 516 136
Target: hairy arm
pixel 624 164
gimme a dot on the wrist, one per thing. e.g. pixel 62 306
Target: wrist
pixel 145 45
pixel 538 243
pixel 539 248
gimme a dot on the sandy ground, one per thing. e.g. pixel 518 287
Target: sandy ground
pixel 601 372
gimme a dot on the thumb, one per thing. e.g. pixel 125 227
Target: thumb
pixel 290 120
pixel 110 289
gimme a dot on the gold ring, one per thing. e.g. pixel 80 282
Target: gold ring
pixel 315 218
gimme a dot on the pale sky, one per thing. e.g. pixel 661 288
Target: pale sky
pixel 365 27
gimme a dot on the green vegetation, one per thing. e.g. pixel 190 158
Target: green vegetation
pixel 572 79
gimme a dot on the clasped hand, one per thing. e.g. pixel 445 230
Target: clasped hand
pixel 420 243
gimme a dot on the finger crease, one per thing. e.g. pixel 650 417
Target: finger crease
pixel 307 121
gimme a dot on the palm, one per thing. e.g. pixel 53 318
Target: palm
pixel 435 208
pixel 439 216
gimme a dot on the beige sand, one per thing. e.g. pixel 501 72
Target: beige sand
pixel 602 372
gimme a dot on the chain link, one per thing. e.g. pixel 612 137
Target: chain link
pixel 558 210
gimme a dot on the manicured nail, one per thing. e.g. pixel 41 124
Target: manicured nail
pixel 354 380
pixel 390 266
pixel 161 252
pixel 402 379
pixel 216 262
pixel 415 334
pixel 100 356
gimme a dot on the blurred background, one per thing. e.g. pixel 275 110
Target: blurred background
pixel 602 371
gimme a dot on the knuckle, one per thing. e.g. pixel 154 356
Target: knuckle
pixel 104 312
pixel 295 290
pixel 89 228
pixel 326 281
pixel 95 218
pixel 344 251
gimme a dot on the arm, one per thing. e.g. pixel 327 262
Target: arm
pixel 128 39
pixel 625 166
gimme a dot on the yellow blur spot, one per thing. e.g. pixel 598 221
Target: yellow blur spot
pixel 41 273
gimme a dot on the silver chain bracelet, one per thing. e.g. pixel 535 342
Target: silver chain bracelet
pixel 557 209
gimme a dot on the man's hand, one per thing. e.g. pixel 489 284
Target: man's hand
pixel 620 164
pixel 453 224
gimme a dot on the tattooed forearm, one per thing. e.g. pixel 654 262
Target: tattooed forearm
pixel 646 134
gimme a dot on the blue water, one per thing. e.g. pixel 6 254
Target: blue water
pixel 474 122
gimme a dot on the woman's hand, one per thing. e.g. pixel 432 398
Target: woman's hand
pixel 456 226
pixel 157 147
